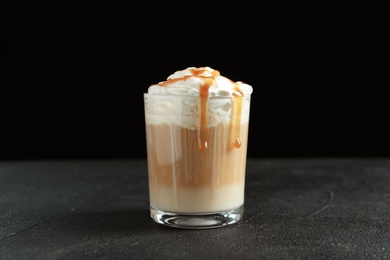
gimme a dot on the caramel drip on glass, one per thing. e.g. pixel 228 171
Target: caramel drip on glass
pixel 235 119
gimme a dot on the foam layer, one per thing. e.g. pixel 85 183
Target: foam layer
pixel 184 110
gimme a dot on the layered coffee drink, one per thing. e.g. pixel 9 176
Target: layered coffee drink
pixel 197 135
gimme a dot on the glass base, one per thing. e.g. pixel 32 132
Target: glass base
pixel 197 221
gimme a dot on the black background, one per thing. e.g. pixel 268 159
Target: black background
pixel 73 74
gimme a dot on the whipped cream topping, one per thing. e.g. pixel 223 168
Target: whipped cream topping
pixel 218 100
pixel 190 81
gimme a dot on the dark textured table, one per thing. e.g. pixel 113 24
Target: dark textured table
pixel 99 209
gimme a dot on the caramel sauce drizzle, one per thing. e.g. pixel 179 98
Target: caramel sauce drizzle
pixel 237 99
pixel 235 119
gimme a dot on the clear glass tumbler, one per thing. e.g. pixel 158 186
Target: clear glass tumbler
pixel 196 153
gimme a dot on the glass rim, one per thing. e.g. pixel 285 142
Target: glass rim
pixel 192 96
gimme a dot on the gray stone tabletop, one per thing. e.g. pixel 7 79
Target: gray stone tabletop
pixel 319 208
